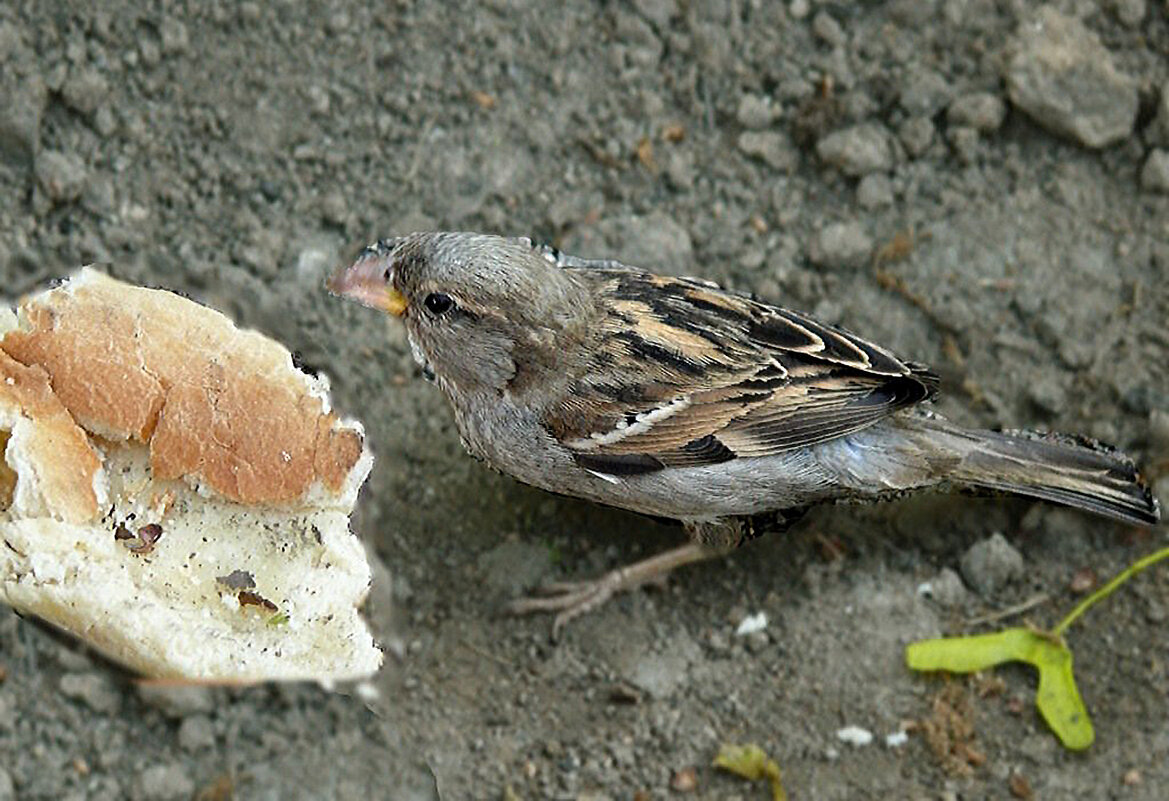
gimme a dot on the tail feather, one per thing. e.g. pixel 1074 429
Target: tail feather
pixel 1074 471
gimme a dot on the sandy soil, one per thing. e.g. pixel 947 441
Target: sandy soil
pixel 239 151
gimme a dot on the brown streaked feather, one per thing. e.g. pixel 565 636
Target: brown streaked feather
pixel 689 374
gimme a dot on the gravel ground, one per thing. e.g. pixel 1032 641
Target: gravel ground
pixel 980 185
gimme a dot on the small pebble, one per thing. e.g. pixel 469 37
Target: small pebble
pixel 174 36
pixel 843 244
pixel 60 175
pixel 755 112
pixel 92 689
pixel 684 781
pixel 334 208
pixel 874 191
pixel 981 111
pixel 990 565
pixel 925 93
pixel 196 733
pixel 1155 173
pixel 165 783
pixel 827 29
pixel 916 135
pixel 84 91
pixel 177 702
pixel 1048 394
pixel 771 147
pixel 964 143
pixel 857 151
pixel 946 588
pixel 1129 12
pixel 757 642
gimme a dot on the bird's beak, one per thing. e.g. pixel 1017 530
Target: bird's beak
pixel 365 282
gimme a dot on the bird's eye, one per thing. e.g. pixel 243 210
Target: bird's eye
pixel 438 303
pixel 386 275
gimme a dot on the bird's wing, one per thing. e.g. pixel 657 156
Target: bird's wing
pixel 684 373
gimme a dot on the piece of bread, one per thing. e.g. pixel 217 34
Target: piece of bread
pixel 175 492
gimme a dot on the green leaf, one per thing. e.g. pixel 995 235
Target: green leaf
pixel 969 654
pixel 1058 698
pixel 752 763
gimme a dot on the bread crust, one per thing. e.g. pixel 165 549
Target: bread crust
pixel 218 405
pixel 47 438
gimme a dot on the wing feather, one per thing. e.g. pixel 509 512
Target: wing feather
pixel 684 373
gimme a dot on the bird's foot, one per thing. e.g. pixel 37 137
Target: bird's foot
pixel 571 599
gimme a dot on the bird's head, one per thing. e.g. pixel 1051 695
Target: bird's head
pixel 479 309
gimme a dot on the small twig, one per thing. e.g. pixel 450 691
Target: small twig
pixel 499 660
pixel 1010 611
pixel 1108 589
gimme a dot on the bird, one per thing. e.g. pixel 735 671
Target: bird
pixel 677 399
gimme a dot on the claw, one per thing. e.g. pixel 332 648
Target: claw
pixel 571 599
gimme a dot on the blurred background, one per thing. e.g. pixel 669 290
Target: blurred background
pixel 978 184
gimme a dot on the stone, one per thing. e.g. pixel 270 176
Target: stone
pixel 990 565
pixel 91 689
pixel 827 29
pixel 61 175
pixel 770 147
pixel 842 244
pixel 513 568
pixel 858 150
pixel 1129 12
pixel 173 36
pixel 660 673
pixel 981 111
pixel 164 783
pixel 196 733
pixel 7 786
pixel 1048 394
pixel 657 12
pixel 1062 77
pixel 177 702
pixel 755 112
pixel 964 142
pixel 874 191
pixel 679 169
pixel 85 90
pixel 1155 173
pixel 916 135
pixel 21 109
pixel 946 588
pixel 925 93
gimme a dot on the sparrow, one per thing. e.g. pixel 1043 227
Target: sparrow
pixel 678 399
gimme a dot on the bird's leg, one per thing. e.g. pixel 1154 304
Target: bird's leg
pixel 708 539
pixel 570 599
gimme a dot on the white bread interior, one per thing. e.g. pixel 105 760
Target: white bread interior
pixel 175 492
